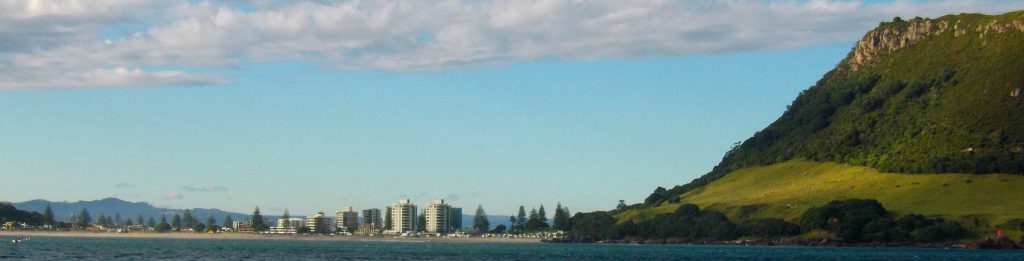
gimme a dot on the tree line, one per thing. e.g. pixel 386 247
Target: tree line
pixel 851 221
pixel 178 222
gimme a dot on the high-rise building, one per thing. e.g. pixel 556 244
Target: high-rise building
pixel 403 216
pixel 347 219
pixel 319 223
pixel 437 216
pixel 454 219
pixel 372 216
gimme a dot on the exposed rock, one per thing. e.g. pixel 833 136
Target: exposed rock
pixel 890 37
pixel 993 243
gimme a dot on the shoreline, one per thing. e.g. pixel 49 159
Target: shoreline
pixel 248 236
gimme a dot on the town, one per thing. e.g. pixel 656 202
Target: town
pixel 403 219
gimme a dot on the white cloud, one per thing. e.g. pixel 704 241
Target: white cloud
pixel 173 195
pixel 407 35
pixel 208 188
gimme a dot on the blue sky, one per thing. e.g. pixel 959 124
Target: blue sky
pixel 515 118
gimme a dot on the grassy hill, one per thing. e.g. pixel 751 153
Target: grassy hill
pixel 913 96
pixel 788 189
pixel 922 116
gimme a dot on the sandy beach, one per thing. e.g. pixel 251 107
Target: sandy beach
pixel 249 236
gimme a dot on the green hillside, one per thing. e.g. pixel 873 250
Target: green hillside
pixel 914 96
pixel 926 116
pixel 788 189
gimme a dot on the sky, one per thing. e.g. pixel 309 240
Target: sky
pixel 319 105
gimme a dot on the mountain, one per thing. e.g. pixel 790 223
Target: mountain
pixel 62 211
pixel 937 95
pixel 9 213
pixel 923 115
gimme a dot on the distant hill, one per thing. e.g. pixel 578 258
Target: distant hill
pixel 9 213
pixel 62 211
pixel 941 95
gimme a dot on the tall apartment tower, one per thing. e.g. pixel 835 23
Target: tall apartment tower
pixel 403 216
pixel 373 216
pixel 348 219
pixel 437 216
pixel 454 219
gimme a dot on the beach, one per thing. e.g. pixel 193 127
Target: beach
pixel 251 236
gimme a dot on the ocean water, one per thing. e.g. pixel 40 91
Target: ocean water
pixel 57 248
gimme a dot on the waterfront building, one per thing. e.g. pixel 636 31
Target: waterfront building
pixel 242 226
pixel 454 219
pixel 319 223
pixel 373 216
pixel 437 216
pixel 403 216
pixel 347 219
pixel 368 229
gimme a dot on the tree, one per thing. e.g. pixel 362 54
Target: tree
pixel 533 221
pixel 622 205
pixel 117 219
pixel 83 219
pixel 151 223
pixel 520 219
pixel 102 220
pixel 512 220
pixel 228 222
pixel 387 218
pixel 210 221
pixel 163 226
pixel 129 222
pixel 176 222
pixel 257 221
pixel 187 220
pixel 543 217
pixel 285 217
pixel 48 215
pixel 561 218
pixel 421 221
pixel 139 220
pixel 500 229
pixel 480 222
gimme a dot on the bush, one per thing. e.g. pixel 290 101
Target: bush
pixel 769 228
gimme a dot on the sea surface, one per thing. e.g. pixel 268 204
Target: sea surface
pixel 61 248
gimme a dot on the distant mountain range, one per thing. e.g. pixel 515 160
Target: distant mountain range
pixel 62 211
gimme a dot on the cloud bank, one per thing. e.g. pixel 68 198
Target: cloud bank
pixel 132 43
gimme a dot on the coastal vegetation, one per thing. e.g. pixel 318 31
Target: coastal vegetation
pixel 851 221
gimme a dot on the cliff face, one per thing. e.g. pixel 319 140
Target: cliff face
pixel 896 35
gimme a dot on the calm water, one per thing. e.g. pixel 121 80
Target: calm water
pixel 55 248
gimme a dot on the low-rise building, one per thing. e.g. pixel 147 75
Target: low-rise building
pixel 242 226
pixel 319 223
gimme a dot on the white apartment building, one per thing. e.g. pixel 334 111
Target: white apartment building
pixel 319 223
pixel 403 216
pixel 437 216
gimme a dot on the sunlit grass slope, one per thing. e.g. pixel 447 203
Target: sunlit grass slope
pixel 785 190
